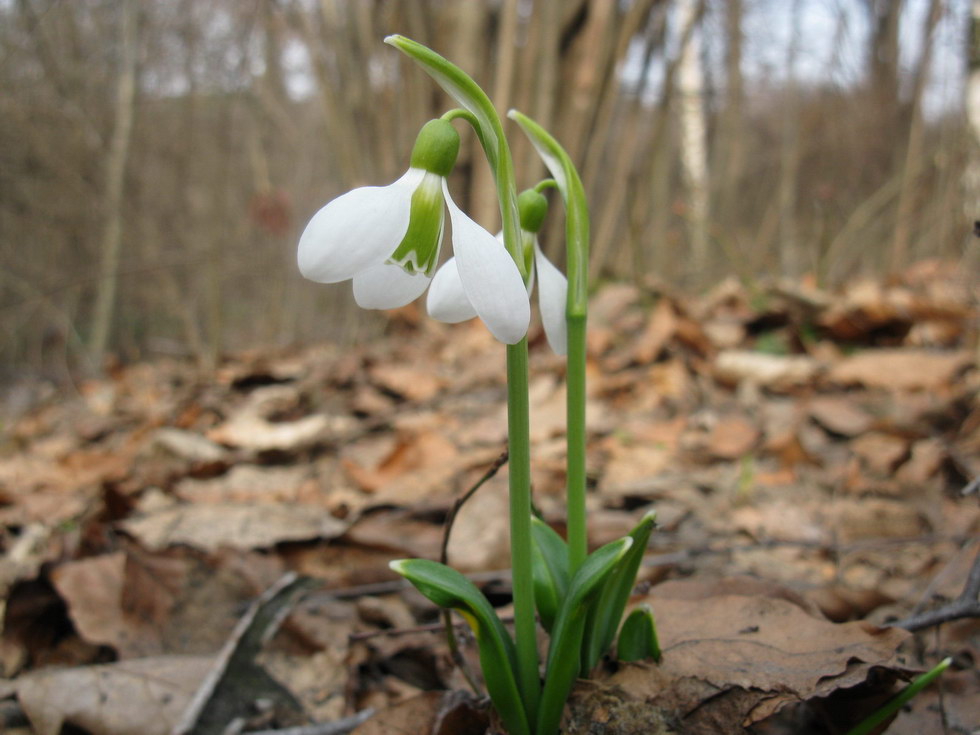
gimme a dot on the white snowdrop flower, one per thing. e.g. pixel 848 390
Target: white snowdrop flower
pixel 448 299
pixel 387 239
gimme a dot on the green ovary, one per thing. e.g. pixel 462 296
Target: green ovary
pixel 418 251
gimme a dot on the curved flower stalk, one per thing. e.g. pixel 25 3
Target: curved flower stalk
pixel 387 239
pixel 448 302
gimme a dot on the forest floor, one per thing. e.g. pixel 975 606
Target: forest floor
pixel 810 456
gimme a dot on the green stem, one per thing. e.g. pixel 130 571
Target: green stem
pixel 518 425
pixel 575 467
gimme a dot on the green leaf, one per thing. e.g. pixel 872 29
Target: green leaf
pixel 448 588
pixel 893 705
pixel 638 638
pixel 566 638
pixel 607 609
pixel 560 165
pixel 550 566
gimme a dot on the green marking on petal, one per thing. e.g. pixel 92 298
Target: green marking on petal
pixel 418 251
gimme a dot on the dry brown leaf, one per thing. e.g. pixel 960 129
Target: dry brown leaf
pixel 189 445
pixel 253 427
pixel 481 533
pixel 880 453
pixel 95 590
pixel 925 461
pixel 396 532
pixel 778 372
pixel 432 713
pixel 632 466
pixel 732 437
pixel 901 369
pixel 747 656
pixel 415 384
pixel 244 527
pixel 139 697
pixel 246 483
pixel 868 518
pixel 407 470
pixel 840 415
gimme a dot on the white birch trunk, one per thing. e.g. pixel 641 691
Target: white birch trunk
pixel 690 82
pixel 972 175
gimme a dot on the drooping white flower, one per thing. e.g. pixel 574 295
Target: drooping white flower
pixel 387 239
pixel 448 299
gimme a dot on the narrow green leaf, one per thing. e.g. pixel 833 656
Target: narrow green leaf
pixel 576 313
pixel 550 571
pixel 638 638
pixel 566 640
pixel 448 588
pixel 569 182
pixel 868 725
pixel 607 609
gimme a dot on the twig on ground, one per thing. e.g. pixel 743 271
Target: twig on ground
pixel 337 727
pixel 447 620
pixel 967 605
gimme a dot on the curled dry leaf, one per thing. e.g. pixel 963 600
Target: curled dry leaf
pixel 778 372
pixel 140 697
pixel 733 660
pixel 901 369
pixel 244 527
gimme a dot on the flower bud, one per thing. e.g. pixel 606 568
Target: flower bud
pixel 533 208
pixel 436 148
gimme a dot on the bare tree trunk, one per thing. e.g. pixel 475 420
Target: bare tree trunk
pixel 913 151
pixel 971 177
pixel 790 255
pixel 115 174
pixel 730 151
pixel 690 78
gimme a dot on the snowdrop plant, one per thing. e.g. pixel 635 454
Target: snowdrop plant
pixel 387 239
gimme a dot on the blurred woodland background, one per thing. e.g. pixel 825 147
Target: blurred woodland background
pixel 158 160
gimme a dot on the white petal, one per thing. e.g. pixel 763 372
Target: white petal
pixel 447 300
pixel 490 278
pixel 387 286
pixel 552 294
pixel 356 230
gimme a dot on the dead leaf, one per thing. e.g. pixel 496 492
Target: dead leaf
pixel 138 697
pixel 244 527
pixel 901 369
pixel 732 437
pixel 396 532
pixel 189 445
pixel 777 372
pixel 480 537
pixel 95 590
pixel 747 656
pixel 245 483
pixel 414 384
pixel 632 466
pixel 253 426
pixel 881 453
pixel 433 713
pixel 840 415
